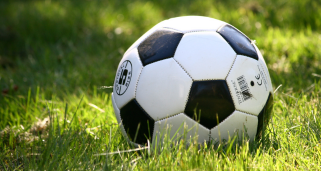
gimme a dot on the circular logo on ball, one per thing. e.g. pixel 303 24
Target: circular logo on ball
pixel 123 77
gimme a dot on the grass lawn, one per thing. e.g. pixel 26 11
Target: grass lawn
pixel 57 56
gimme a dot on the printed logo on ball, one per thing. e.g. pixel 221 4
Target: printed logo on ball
pixel 263 77
pixel 242 91
pixel 123 77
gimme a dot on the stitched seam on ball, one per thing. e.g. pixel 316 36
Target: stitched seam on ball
pixel 162 120
pixel 167 117
pixel 140 106
pixel 137 83
pixel 195 31
pixel 190 85
pixel 209 79
pixel 189 91
pixel 201 30
pixel 139 57
pixel 173 29
pixel 169 28
pixel 197 122
pixel 229 88
pixel 230 116
pixel 246 112
pixel 231 67
pixel 192 31
pixel 183 68
pixel 223 120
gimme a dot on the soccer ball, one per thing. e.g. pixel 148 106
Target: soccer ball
pixel 196 76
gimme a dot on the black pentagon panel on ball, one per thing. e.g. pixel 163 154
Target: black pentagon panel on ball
pixel 209 100
pixel 264 116
pixel 135 118
pixel 238 41
pixel 160 45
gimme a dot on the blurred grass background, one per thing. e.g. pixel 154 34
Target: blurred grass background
pixel 64 46
pixel 54 53
pixel 69 47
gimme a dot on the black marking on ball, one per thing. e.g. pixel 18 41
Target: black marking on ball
pixel 209 99
pixel 123 77
pixel 238 41
pixel 162 44
pixel 264 116
pixel 132 115
pixel 252 83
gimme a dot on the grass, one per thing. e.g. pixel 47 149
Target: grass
pixel 56 55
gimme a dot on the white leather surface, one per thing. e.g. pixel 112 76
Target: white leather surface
pixel 179 127
pixel 205 55
pixel 136 69
pixel 265 69
pixel 193 23
pixel 234 125
pixel 249 69
pixel 163 89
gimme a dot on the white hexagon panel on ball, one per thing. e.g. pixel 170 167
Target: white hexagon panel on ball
pixel 248 85
pixel 179 127
pixel 126 78
pixel 205 55
pixel 265 70
pixel 237 124
pixel 163 89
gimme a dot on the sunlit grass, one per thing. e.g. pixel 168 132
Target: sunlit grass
pixel 56 55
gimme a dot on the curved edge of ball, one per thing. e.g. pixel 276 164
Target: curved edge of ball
pixel 193 24
pixel 119 120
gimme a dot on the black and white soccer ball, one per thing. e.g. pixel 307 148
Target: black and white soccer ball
pixel 192 73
